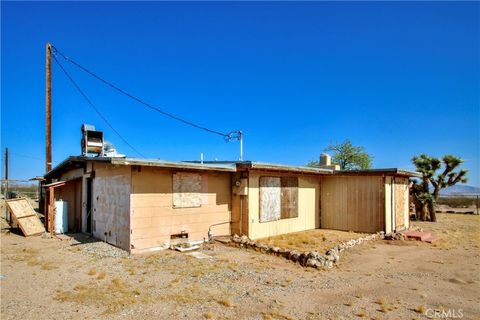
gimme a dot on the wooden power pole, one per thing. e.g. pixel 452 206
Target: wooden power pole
pixel 48 109
pixel 5 186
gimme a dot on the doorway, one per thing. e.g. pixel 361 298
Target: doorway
pixel 89 205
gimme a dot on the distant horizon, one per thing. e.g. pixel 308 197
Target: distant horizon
pixel 400 79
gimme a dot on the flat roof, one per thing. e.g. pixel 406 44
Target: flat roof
pixel 270 166
pixel 76 161
pixel 73 162
pixel 283 167
pixel 387 171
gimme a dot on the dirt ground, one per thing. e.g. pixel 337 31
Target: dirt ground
pixel 81 279
pixel 320 239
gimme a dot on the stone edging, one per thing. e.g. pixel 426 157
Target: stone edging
pixel 311 259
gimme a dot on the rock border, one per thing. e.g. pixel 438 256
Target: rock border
pixel 312 259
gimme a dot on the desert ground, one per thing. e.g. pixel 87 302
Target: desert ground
pixel 85 279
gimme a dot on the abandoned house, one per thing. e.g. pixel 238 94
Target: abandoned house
pixel 140 205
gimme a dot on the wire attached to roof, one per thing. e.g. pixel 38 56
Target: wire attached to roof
pixel 93 106
pixel 227 136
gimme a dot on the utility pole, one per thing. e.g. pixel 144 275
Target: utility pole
pixel 48 109
pixel 5 187
pixel 48 204
pixel 236 135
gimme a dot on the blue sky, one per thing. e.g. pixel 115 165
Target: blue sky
pixel 400 78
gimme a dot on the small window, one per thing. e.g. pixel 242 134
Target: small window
pixel 187 188
pixel 278 198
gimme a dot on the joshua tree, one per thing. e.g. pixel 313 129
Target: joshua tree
pixel 423 197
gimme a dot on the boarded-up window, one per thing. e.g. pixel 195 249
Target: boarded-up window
pixel 269 199
pixel 278 198
pixel 187 188
pixel 289 197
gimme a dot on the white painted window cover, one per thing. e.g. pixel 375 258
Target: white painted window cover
pixel 270 195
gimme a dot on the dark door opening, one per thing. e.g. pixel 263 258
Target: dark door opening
pixel 89 205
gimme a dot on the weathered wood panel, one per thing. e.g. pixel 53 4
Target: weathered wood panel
pixel 111 204
pixel 401 203
pixel 187 188
pixel 23 214
pixel 270 196
pixel 289 197
pixel 353 203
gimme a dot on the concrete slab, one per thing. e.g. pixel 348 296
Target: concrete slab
pixel 199 255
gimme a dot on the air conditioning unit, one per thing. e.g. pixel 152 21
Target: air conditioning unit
pixel 92 141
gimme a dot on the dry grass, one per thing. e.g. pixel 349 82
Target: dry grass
pixel 275 315
pixel 420 309
pixel 225 302
pixel 113 296
pixel 462 231
pixel 92 272
pixel 31 258
pixel 208 315
pixel 318 239
pixel 101 275
pixel 361 314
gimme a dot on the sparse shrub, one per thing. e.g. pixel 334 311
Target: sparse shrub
pixel 421 309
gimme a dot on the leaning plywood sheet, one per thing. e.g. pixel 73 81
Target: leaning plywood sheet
pixel 23 213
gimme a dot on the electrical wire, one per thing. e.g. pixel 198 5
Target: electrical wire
pixel 94 107
pixel 24 156
pixel 227 136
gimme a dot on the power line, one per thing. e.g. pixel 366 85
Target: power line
pixel 227 136
pixel 25 156
pixel 93 106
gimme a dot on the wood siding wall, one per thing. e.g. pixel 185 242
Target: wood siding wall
pixel 111 204
pixel 71 193
pixel 239 210
pixel 308 207
pixel 153 218
pixel 353 203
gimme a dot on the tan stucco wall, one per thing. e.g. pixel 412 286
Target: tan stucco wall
pixel 308 203
pixel 153 218
pixel 111 204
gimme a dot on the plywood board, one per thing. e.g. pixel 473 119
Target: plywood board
pixel 401 202
pixel 27 219
pixel 20 207
pixel 270 195
pixel 289 197
pixel 187 188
